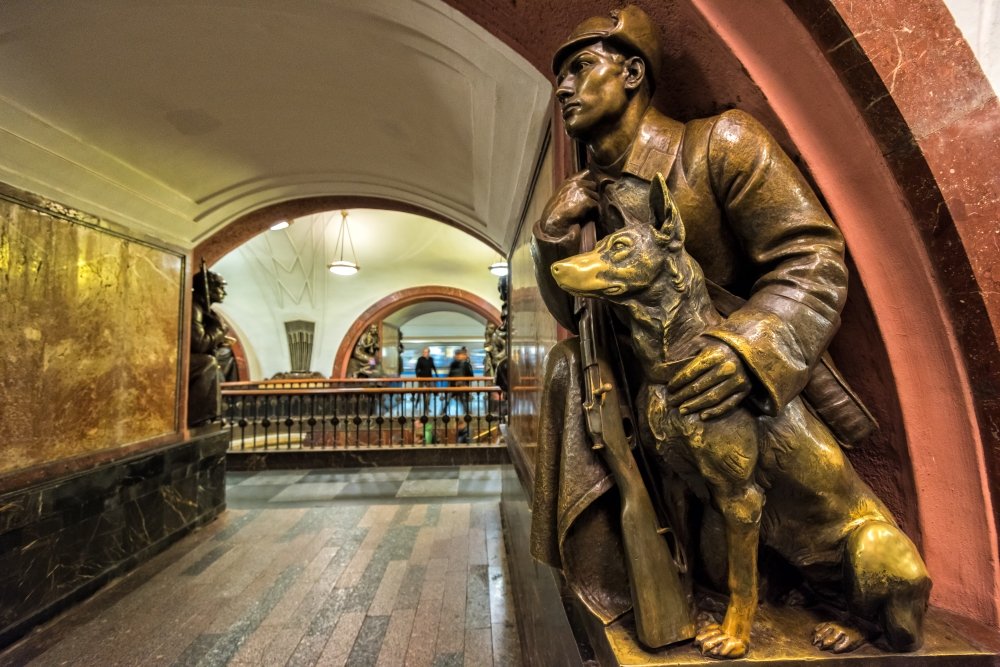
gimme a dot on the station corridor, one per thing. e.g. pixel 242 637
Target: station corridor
pixel 390 566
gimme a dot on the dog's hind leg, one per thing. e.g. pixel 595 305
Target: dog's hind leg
pixel 887 582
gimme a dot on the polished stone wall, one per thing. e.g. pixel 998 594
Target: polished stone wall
pixel 63 539
pixel 533 331
pixel 91 335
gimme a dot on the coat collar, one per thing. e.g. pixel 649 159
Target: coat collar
pixel 655 147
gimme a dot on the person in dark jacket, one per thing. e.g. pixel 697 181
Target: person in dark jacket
pixel 425 365
pixel 425 368
pixel 460 367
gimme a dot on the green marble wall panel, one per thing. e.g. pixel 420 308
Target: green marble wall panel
pixel 89 336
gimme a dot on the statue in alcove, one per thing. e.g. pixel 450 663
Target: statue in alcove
pixel 365 357
pixel 400 348
pixel 706 307
pixel 488 363
pixel 498 339
pixel 209 345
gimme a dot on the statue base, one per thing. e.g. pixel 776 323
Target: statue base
pixel 782 636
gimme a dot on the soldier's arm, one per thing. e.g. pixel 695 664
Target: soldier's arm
pixel 545 250
pixel 206 331
pixel 557 236
pixel 794 309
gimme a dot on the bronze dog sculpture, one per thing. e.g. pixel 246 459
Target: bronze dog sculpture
pixel 819 515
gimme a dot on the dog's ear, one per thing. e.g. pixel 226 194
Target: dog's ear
pixel 666 217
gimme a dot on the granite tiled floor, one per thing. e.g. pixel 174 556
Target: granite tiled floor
pixel 354 567
pixel 310 488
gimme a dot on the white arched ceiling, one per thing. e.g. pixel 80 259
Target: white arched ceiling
pixel 443 327
pixel 407 314
pixel 438 322
pixel 282 275
pixel 175 117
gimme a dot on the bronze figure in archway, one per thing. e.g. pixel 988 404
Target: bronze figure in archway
pixel 719 396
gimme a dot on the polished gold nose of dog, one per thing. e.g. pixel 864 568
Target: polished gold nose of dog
pixel 563 272
pixel 578 274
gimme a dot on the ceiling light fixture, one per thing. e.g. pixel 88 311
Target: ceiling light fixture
pixel 343 267
pixel 499 268
pixel 280 224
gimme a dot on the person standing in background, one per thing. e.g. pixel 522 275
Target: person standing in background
pixel 425 368
pixel 460 367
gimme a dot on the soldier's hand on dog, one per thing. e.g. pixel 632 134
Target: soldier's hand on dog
pixel 711 384
pixel 573 204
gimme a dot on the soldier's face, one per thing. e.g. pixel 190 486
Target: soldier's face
pixel 591 90
pixel 217 292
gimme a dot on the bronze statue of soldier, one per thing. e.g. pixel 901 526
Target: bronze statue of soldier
pixel 365 357
pixel 488 363
pixel 208 337
pixel 773 263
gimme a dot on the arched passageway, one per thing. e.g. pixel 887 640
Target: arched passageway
pixel 386 306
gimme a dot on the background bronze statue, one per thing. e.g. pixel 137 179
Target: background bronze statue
pixel 208 338
pixel 499 339
pixel 774 263
pixel 366 354
pixel 488 363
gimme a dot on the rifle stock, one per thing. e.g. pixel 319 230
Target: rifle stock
pixel 660 603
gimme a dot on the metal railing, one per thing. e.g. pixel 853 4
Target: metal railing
pixel 382 413
pixel 357 383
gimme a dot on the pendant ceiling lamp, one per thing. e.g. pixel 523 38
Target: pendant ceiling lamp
pixel 341 266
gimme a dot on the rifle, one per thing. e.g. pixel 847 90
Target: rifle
pixel 660 603
pixel 204 286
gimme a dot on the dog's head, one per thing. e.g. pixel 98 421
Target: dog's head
pixel 633 259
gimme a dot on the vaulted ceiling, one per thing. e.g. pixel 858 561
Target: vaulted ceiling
pixel 175 117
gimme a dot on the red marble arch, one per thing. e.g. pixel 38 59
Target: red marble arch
pixel 886 108
pixel 388 305
pixel 244 228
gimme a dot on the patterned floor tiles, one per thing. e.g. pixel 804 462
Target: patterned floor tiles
pixel 328 567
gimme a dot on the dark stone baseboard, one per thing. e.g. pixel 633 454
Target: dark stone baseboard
pixel 306 459
pixel 63 539
pixel 551 634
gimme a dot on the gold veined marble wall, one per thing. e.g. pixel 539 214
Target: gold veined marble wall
pixel 533 331
pixel 90 330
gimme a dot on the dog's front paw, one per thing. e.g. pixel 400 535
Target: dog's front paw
pixel 717 643
pixel 837 637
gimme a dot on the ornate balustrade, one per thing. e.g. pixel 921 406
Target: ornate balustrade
pixel 333 383
pixel 348 413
